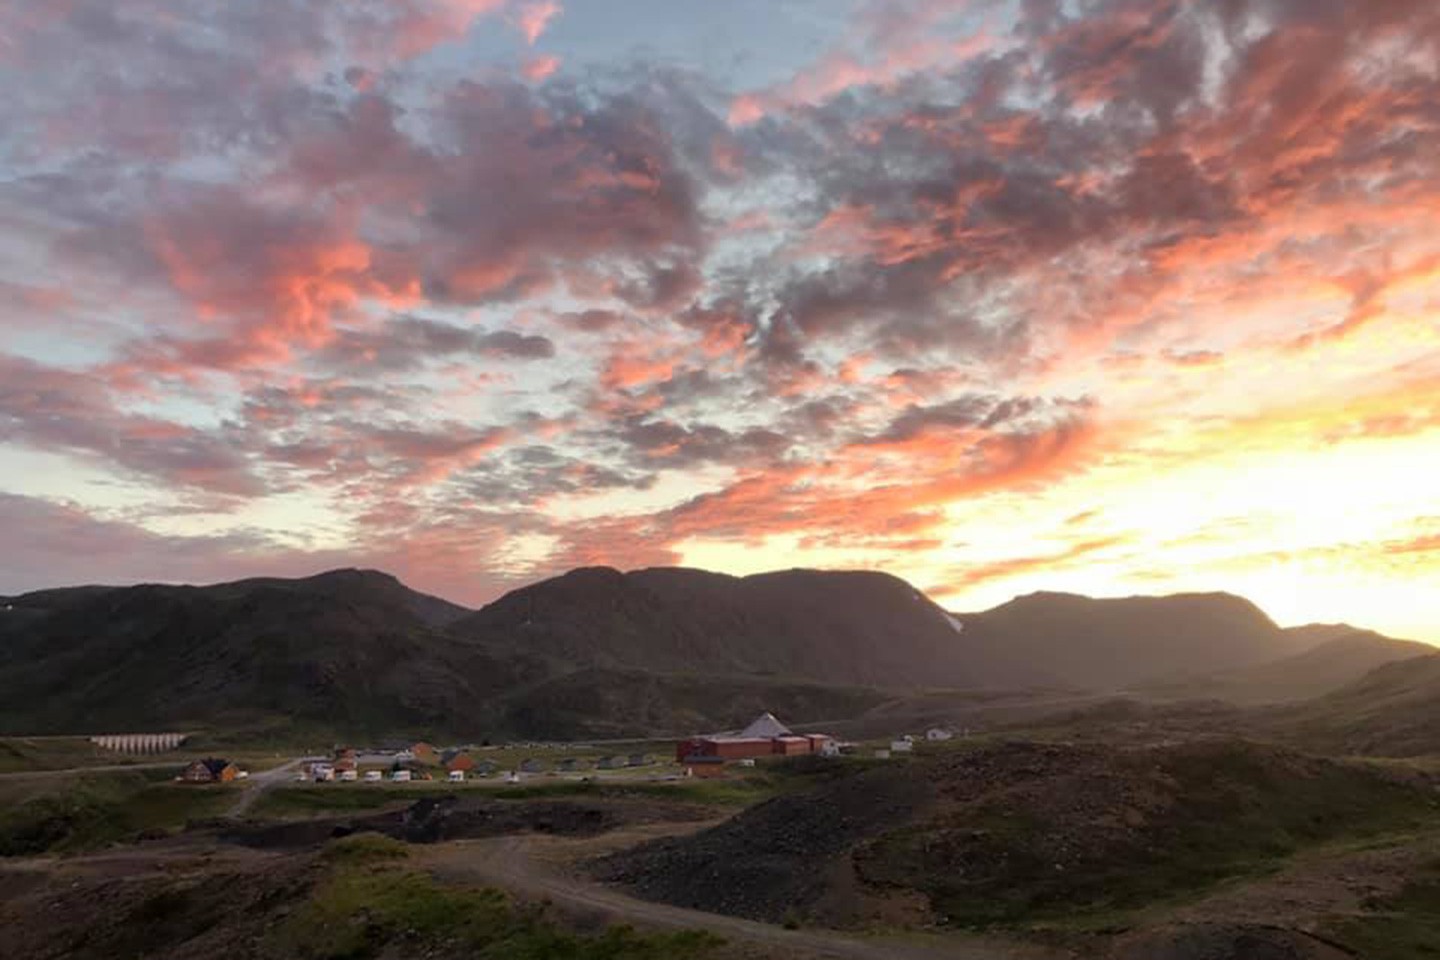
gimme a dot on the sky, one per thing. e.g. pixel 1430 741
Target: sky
pixel 1105 296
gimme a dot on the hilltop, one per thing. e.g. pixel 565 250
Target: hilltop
pixel 600 652
pixel 1394 710
pixel 349 649
pixel 1019 833
pixel 1340 654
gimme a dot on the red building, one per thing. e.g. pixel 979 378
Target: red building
pixel 766 737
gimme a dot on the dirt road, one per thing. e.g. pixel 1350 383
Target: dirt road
pixel 510 863
pixel 258 783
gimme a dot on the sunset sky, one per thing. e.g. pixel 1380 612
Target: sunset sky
pixel 1106 296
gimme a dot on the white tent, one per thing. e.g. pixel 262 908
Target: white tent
pixel 764 727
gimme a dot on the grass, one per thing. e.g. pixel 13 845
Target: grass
pixel 38 754
pixel 283 803
pixel 370 900
pixel 1230 815
pixel 1406 927
pixel 96 810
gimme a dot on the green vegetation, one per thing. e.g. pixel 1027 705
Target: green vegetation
pixel 1406 927
pixel 34 754
pixel 1167 827
pixel 710 792
pixel 365 848
pixel 370 900
pixel 95 810
pixel 288 803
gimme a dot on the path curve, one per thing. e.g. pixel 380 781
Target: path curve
pixel 507 862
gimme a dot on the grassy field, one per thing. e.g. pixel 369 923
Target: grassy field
pixel 1404 928
pixel 370 901
pixel 20 755
pixel 311 800
pixel 93 810
pixel 36 754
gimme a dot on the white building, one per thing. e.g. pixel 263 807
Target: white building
pixel 456 776
pixel 901 746
pixel 373 776
pixel 401 776
pixel 935 734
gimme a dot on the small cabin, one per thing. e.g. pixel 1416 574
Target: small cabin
pixel 456 776
pixel 400 776
pixel 457 760
pixel 901 746
pixel 349 776
pixel 936 734
pixel 373 776
pixel 532 765
pixel 210 770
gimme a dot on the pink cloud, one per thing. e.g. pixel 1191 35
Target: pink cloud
pixel 536 69
pixel 533 17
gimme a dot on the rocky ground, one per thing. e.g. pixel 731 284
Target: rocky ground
pixel 1054 839
pixel 462 816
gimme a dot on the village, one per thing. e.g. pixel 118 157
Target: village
pixel 706 756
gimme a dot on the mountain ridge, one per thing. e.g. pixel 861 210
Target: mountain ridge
pixel 595 649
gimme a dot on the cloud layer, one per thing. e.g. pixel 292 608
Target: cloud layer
pixel 1113 296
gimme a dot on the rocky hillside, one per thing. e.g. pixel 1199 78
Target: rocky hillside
pixel 1392 711
pixel 1019 833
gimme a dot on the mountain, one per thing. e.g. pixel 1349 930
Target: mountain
pixel 348 649
pixel 348 652
pixel 1340 654
pixel 852 628
pixel 1394 710
pixel 598 652
pixel 1116 643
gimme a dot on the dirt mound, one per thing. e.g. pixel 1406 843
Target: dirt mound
pixel 1020 832
pixel 432 820
pixel 776 856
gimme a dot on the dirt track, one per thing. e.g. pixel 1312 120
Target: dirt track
pixel 512 863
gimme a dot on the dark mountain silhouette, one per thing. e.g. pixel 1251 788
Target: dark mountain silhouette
pixel 1394 710
pixel 595 652
pixel 1104 644
pixel 1340 654
pixel 350 648
pixel 860 628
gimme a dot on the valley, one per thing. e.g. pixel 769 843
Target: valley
pixel 1059 778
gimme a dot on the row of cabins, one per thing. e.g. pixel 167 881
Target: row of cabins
pixel 458 765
